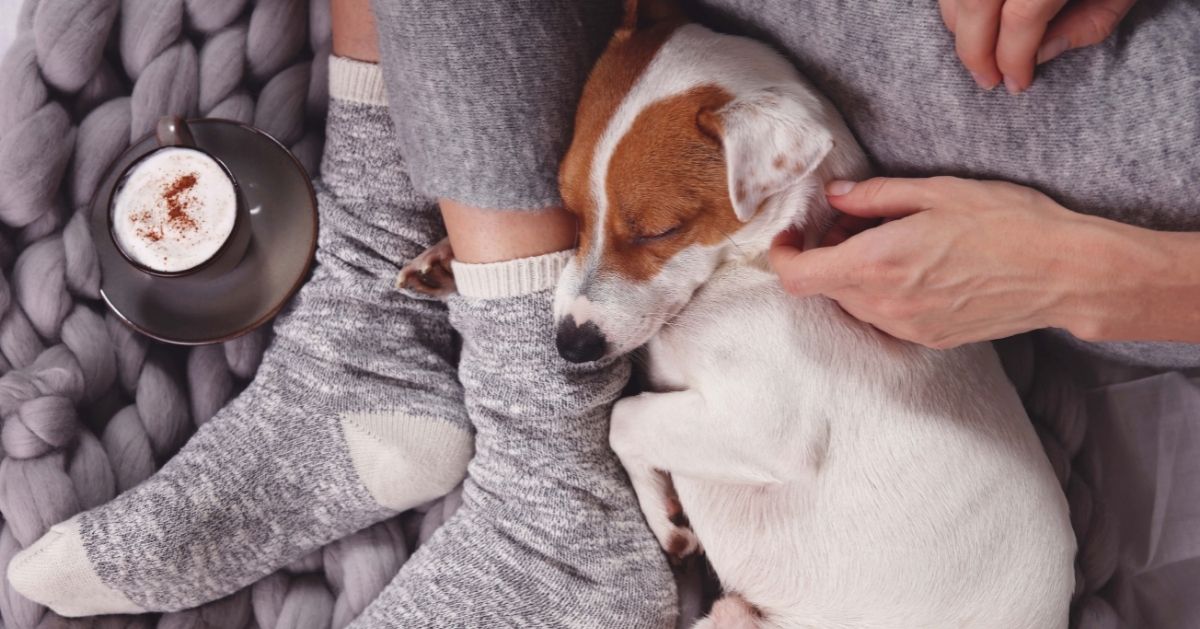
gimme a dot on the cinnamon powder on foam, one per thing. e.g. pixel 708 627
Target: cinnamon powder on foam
pixel 175 196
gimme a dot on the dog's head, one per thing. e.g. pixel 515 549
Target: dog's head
pixel 690 148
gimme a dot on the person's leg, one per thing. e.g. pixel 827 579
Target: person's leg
pixel 549 534
pixel 480 236
pixel 355 413
pixel 354 33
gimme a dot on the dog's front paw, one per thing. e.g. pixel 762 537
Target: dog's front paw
pixel 429 273
pixel 678 540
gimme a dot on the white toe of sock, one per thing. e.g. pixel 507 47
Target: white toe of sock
pixel 55 572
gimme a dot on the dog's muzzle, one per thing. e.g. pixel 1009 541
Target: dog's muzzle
pixel 580 343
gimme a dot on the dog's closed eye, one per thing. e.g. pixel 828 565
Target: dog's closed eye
pixel 659 234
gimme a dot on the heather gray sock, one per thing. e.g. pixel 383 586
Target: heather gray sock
pixel 549 533
pixel 355 414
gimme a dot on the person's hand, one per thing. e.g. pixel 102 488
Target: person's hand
pixel 959 261
pixel 1002 40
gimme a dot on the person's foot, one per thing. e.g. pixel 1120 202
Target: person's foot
pixel 549 533
pixel 355 414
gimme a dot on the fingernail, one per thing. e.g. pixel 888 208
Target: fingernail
pixel 1052 49
pixel 982 82
pixel 1011 85
pixel 838 188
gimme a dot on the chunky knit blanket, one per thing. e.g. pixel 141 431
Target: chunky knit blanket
pixel 91 408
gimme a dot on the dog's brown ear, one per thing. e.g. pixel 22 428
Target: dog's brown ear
pixel 640 14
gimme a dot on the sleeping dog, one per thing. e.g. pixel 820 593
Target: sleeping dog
pixel 835 476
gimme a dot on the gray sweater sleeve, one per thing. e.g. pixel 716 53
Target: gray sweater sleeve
pixel 483 92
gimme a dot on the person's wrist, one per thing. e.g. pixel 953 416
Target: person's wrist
pixel 1111 274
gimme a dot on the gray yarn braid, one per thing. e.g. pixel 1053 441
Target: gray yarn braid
pixel 89 407
pixel 1054 397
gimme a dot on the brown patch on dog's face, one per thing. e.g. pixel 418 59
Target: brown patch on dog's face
pixel 667 186
pixel 625 59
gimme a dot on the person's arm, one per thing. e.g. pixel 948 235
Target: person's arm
pixel 1142 285
pixel 963 261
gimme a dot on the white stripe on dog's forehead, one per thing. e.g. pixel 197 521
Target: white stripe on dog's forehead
pixel 691 57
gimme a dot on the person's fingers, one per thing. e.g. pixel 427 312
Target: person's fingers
pixel 976 25
pixel 804 273
pixel 1082 23
pixel 845 226
pixel 1022 25
pixel 882 197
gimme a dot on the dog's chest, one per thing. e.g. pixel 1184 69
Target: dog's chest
pixel 692 346
pixel 737 310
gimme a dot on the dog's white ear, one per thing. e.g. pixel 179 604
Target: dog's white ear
pixel 771 139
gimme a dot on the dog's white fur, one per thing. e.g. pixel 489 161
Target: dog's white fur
pixel 835 477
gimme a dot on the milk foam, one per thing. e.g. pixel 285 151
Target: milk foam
pixel 174 210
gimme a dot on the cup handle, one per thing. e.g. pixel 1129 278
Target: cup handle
pixel 173 131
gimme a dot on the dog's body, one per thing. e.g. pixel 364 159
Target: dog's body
pixel 835 477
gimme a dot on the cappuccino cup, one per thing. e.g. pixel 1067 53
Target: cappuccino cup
pixel 177 211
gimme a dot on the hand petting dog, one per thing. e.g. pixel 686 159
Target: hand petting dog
pixel 958 261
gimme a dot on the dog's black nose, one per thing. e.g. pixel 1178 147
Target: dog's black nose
pixel 580 343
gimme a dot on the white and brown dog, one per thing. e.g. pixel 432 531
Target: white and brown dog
pixel 836 477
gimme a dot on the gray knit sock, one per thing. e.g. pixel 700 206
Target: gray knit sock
pixel 355 413
pixel 549 534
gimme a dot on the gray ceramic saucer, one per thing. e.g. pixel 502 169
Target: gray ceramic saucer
pixel 283 218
